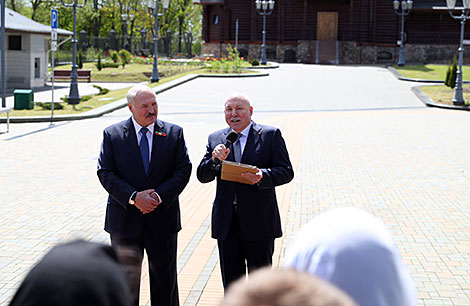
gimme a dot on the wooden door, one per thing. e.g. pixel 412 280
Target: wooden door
pixel 327 25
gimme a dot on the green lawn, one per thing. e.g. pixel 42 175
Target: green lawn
pixel 443 94
pixel 134 72
pixel 438 93
pixel 94 102
pixel 429 72
pixel 129 74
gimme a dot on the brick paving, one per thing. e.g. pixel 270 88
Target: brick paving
pixel 378 149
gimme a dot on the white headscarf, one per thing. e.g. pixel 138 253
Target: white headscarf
pixel 354 250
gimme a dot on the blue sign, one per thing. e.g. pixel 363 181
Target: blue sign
pixel 54 19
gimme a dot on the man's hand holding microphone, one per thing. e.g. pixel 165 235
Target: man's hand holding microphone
pixel 221 152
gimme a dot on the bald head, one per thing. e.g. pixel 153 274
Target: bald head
pixel 237 97
pixel 137 89
pixel 142 102
pixel 238 111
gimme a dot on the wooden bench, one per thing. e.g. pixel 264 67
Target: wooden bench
pixel 145 52
pixel 67 74
pixel 6 110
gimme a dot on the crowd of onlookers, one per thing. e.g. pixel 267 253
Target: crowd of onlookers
pixel 342 257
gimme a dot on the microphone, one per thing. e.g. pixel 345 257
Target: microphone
pixel 231 138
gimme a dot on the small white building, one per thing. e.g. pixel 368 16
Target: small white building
pixel 27 43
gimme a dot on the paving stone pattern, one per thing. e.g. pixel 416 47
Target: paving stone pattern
pixel 378 149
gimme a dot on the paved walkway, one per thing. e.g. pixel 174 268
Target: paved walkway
pixel 369 143
pixel 62 89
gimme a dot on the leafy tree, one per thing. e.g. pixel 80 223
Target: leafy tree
pixel 34 6
pixel 98 17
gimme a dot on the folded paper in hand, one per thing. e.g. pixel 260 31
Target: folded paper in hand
pixel 232 171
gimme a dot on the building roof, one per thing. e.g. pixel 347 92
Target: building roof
pixel 17 22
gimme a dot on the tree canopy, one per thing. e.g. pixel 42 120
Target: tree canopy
pixel 98 17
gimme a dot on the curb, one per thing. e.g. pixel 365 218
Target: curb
pixel 111 107
pixel 430 102
pixel 425 98
pixel 402 78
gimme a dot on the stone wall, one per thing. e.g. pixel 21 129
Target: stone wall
pixel 350 53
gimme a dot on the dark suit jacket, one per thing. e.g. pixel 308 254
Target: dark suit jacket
pixel 121 172
pixel 257 205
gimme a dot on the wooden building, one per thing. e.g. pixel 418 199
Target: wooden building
pixel 332 31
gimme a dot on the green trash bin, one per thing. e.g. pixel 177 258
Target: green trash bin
pixel 24 99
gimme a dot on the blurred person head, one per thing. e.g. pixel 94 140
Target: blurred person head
pixel 354 251
pixel 142 102
pixel 238 112
pixel 77 273
pixel 283 287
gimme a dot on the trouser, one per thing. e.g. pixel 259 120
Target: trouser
pixel 237 254
pixel 161 254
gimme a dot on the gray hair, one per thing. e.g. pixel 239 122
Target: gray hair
pixel 237 96
pixel 136 90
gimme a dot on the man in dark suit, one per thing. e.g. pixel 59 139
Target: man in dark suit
pixel 144 166
pixel 245 217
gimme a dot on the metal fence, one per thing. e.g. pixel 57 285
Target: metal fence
pixel 139 45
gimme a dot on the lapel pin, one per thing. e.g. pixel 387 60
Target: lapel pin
pixel 160 134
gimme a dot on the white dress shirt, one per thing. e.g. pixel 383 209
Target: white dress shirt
pixel 243 138
pixel 149 135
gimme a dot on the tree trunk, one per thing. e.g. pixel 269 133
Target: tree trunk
pixel 180 32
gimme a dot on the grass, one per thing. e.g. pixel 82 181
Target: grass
pixel 429 72
pixel 132 72
pixel 94 102
pixel 100 100
pixel 443 94
pixel 438 93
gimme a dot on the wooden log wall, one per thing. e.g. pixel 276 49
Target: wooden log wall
pixel 363 21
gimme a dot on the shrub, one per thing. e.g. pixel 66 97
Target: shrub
pixel 84 98
pixel 102 90
pixel 80 59
pixel 114 56
pixel 453 76
pixel 448 76
pixel 234 55
pixel 255 62
pixel 98 64
pixel 125 57
pixel 110 65
pixel 48 105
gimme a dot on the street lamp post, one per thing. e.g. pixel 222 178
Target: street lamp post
pixel 153 6
pixel 264 8
pixel 73 97
pixel 402 8
pixel 458 96
pixel 127 20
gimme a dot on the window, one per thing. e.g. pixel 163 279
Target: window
pixel 14 42
pixel 37 67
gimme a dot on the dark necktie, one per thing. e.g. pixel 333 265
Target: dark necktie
pixel 237 151
pixel 144 148
pixel 237 154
